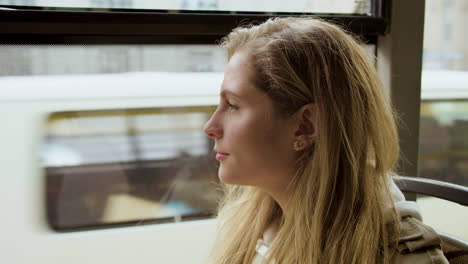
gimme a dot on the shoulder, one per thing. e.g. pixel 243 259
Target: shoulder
pixel 418 243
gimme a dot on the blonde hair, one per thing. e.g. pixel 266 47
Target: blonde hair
pixel 336 213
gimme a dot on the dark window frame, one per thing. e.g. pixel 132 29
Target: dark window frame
pixel 37 25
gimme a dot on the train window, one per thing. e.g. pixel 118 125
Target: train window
pixel 444 103
pixel 328 6
pixel 107 168
pixel 96 59
pixel 444 141
pixel 443 136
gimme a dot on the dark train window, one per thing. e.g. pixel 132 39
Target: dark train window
pixel 107 168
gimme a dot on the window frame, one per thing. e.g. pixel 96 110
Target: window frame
pixel 45 25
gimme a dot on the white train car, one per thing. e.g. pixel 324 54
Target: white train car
pixel 128 227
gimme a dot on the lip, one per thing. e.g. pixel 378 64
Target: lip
pixel 221 156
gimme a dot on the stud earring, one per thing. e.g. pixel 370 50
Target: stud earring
pixel 298 143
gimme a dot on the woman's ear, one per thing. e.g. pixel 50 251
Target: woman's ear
pixel 305 126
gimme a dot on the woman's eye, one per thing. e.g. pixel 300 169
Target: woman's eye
pixel 231 106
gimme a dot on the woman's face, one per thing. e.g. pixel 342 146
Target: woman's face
pixel 254 145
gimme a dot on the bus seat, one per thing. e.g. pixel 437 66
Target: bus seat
pixel 454 248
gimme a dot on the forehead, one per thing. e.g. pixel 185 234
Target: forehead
pixel 239 76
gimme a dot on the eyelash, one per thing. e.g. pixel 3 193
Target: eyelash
pixel 231 105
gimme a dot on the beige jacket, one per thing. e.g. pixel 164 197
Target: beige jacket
pixel 418 243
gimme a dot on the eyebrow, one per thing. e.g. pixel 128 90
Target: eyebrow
pixel 224 93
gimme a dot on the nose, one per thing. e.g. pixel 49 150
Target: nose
pixel 213 127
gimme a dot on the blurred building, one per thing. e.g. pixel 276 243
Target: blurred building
pixel 78 59
pixel 444 39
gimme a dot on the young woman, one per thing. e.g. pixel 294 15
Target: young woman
pixel 306 142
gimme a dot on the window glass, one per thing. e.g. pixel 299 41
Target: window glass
pixel 443 135
pixel 96 59
pixel 316 6
pixel 445 35
pixel 111 167
pixel 444 103
pixel 444 141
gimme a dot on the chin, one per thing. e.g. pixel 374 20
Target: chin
pixel 228 177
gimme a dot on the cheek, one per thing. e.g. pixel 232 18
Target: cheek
pixel 260 152
pixel 257 137
pixel 275 146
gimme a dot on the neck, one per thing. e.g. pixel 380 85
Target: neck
pixel 281 196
